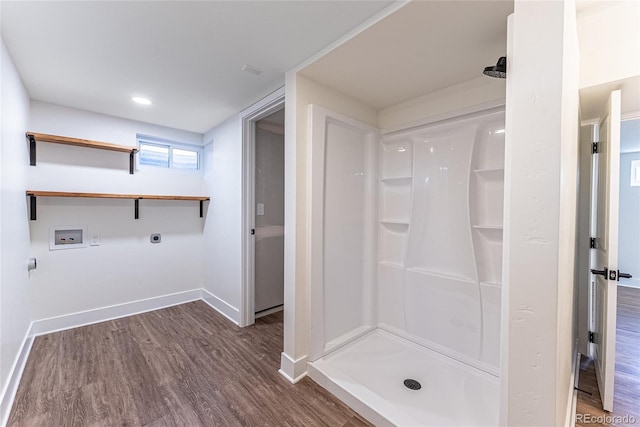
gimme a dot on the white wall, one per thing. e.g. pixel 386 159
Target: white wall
pixel 629 243
pixel 222 231
pixel 540 215
pixel 609 34
pixel 443 104
pixel 14 231
pixel 126 266
pixel 300 93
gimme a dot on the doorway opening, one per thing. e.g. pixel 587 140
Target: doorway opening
pixel 269 214
pixel 627 373
pixel 263 209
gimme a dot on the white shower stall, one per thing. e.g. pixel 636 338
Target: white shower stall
pixel 405 266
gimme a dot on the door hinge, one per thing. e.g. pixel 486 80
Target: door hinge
pixel 594 148
pixel 591 337
pixel 592 243
pixel 253 231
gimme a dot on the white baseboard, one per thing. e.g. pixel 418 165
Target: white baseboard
pixel 9 392
pixel 269 311
pixel 570 419
pixel 293 370
pixel 102 314
pixel 221 306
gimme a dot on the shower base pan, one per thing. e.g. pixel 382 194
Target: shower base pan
pixel 369 375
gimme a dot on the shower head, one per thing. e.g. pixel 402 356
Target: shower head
pixel 499 70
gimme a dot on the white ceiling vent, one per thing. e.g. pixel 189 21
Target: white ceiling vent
pixel 251 69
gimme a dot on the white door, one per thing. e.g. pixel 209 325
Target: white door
pixel 604 266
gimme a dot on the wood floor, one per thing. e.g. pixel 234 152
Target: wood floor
pixel 181 366
pixel 627 378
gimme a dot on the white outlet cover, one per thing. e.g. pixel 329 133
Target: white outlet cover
pixel 95 240
pixel 260 209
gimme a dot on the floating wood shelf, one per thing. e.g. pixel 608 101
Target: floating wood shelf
pixel 33 195
pixel 55 139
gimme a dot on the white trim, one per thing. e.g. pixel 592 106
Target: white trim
pixel 15 374
pixel 266 106
pixel 293 370
pixel 222 307
pixel 270 311
pixel 484 107
pixel 570 419
pixel 102 314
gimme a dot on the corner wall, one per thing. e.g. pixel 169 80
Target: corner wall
pixel 223 230
pixel 15 285
pixel 540 215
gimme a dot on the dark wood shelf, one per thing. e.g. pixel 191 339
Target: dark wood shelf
pixel 77 142
pixel 33 195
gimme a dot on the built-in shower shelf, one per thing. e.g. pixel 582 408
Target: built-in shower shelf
pixel 440 274
pixel 497 172
pixel 397 180
pixel 492 284
pixel 391 264
pixel 395 222
pixel 488 227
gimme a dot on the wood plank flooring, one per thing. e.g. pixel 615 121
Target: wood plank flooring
pixel 627 378
pixel 180 366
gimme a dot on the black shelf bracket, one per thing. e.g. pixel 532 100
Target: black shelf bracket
pixel 136 204
pixel 32 207
pixel 201 208
pixel 132 157
pixel 32 150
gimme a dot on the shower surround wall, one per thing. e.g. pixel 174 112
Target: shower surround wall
pixel 440 237
pixel 436 289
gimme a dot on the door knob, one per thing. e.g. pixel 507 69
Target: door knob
pixel 624 275
pixel 600 272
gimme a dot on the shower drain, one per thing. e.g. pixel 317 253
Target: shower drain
pixel 412 384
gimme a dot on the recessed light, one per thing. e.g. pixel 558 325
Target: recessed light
pixel 251 69
pixel 141 100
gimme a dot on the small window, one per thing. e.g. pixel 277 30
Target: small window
pixel 154 155
pixel 635 173
pixel 184 159
pixel 167 154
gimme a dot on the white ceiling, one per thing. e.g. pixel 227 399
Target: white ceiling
pixel 594 99
pixel 185 56
pixel 419 49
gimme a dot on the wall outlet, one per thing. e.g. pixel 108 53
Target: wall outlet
pixel 95 240
pixel 155 238
pixel 260 209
